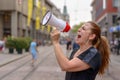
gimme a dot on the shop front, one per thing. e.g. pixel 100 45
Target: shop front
pixel 115 30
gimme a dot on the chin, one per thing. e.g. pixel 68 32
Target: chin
pixel 77 41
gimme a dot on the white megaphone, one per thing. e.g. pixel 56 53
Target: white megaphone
pixel 50 19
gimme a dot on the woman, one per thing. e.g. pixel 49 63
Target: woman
pixel 91 58
pixel 33 51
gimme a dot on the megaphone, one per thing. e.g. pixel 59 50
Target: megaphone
pixel 50 19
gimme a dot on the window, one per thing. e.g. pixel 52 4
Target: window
pixel 114 18
pixel 116 3
pixel 104 4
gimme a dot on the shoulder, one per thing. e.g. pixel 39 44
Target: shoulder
pixel 91 54
pixel 92 57
pixel 93 51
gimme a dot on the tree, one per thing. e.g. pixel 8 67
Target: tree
pixel 76 27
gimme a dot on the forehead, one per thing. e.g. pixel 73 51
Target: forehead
pixel 87 25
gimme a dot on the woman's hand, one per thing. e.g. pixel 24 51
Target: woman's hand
pixel 55 35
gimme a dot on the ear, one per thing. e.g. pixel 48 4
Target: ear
pixel 92 36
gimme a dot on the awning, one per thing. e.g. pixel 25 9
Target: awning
pixel 114 29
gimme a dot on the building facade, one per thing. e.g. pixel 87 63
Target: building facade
pixel 14 15
pixel 105 13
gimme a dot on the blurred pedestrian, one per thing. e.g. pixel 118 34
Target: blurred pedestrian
pixel 75 46
pixel 90 59
pixel 115 46
pixel 2 45
pixel 118 48
pixel 68 46
pixel 33 51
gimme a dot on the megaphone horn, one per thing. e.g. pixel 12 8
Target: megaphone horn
pixel 50 19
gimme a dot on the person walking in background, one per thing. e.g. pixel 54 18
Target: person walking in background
pixel 75 45
pixel 33 51
pixel 68 46
pixel 118 48
pixel 2 45
pixel 90 59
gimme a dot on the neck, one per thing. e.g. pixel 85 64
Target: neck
pixel 85 47
pixel 82 49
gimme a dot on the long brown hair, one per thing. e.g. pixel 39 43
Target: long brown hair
pixel 101 43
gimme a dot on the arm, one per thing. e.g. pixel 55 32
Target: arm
pixel 69 65
pixel 37 48
pixel 66 65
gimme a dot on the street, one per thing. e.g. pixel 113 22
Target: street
pixel 112 73
pixel 47 67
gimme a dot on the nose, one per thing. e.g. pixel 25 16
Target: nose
pixel 79 29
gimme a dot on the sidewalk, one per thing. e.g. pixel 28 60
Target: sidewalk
pixel 114 70
pixel 6 57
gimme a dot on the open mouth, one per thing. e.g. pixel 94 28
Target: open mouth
pixel 79 36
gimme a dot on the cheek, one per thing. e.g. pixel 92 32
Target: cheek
pixel 84 38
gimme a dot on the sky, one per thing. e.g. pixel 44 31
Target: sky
pixel 79 10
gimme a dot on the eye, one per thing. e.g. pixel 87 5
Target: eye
pixel 83 28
